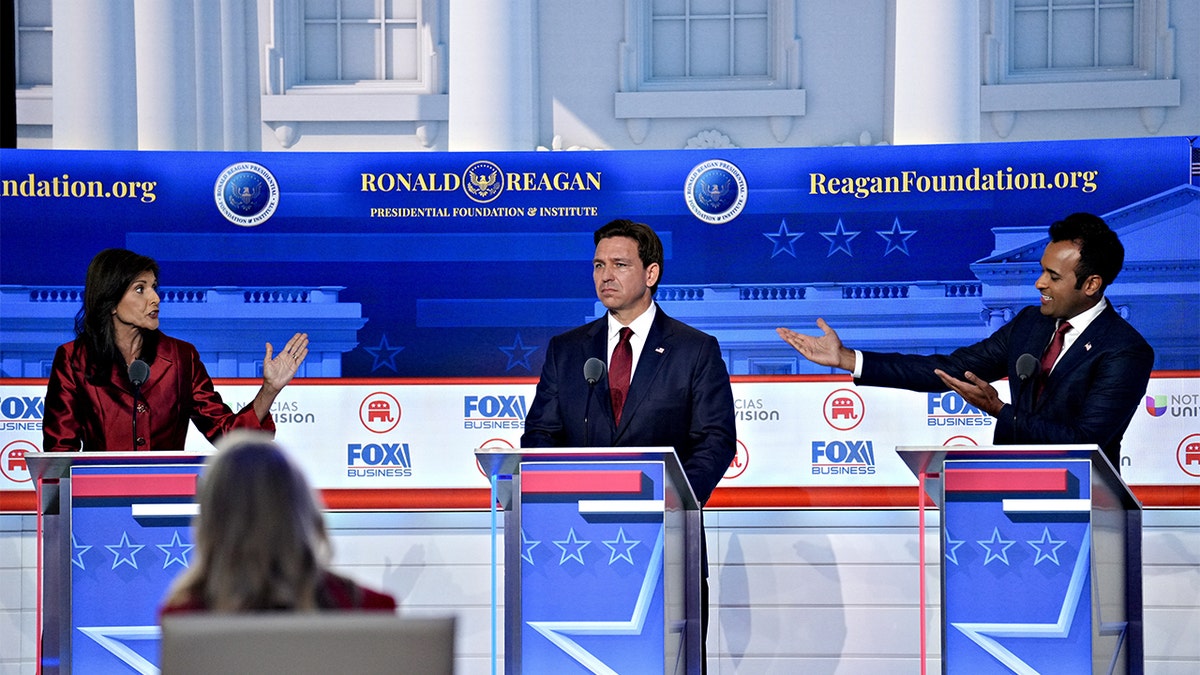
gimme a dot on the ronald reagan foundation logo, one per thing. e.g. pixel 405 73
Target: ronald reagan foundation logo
pixel 246 193
pixel 715 191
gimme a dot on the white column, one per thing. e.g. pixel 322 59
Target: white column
pixel 210 62
pixel 492 75
pixel 239 75
pixel 166 74
pixel 936 79
pixel 95 88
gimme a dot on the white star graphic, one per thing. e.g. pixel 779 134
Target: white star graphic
pixel 577 544
pixel 997 548
pixel 984 634
pixel 952 548
pixel 176 551
pixel 124 551
pixel 113 639
pixel 557 631
pixel 77 556
pixel 621 542
pixel 527 546
pixel 1047 548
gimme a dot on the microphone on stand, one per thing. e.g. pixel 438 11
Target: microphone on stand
pixel 1028 366
pixel 593 370
pixel 139 372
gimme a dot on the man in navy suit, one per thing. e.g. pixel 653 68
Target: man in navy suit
pixel 1087 391
pixel 679 393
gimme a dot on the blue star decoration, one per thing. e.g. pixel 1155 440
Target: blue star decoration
pixel 577 546
pixel 985 634
pixel 897 238
pixel 839 239
pixel 1047 548
pixel 952 548
pixel 626 546
pixel 384 355
pixel 527 546
pixel 997 548
pixel 77 556
pixel 124 551
pixel 783 240
pixel 518 354
pixel 557 632
pixel 176 551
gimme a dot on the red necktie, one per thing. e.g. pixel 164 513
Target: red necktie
pixel 619 371
pixel 1051 355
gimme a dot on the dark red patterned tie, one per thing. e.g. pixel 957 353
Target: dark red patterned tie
pixel 1051 355
pixel 618 373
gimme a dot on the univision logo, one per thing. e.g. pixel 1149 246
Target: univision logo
pixel 1174 405
pixel 1156 405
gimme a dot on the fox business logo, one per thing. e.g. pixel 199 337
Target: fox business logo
pixel 494 412
pixel 949 409
pixel 843 458
pixel 374 460
pixel 21 413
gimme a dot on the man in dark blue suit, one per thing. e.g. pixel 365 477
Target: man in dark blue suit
pixel 679 393
pixel 1084 391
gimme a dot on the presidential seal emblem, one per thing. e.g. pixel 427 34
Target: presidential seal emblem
pixel 483 181
pixel 715 191
pixel 246 194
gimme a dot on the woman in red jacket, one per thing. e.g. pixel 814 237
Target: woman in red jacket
pixel 91 396
pixel 260 540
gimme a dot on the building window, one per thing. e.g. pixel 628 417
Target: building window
pixel 1077 40
pixel 712 44
pixel 362 41
pixel 33 43
pixel 709 39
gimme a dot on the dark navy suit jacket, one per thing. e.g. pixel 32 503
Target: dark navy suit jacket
pixel 1089 397
pixel 679 397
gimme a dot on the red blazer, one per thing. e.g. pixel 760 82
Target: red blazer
pixel 337 592
pixel 80 415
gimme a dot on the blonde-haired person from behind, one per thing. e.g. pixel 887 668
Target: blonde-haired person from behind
pixel 260 539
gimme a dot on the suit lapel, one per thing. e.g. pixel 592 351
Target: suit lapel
pixel 1081 351
pixel 653 357
pixel 597 347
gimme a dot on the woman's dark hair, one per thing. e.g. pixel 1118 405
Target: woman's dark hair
pixel 108 277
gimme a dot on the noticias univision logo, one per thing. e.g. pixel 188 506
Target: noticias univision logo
pixel 1156 405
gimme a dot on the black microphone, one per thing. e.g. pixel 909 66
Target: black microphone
pixel 139 372
pixel 593 370
pixel 1028 366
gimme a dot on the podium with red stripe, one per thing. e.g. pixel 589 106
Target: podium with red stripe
pixel 601 560
pixel 113 532
pixel 1041 559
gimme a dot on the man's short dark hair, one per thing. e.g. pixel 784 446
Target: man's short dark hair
pixel 1100 251
pixel 650 248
